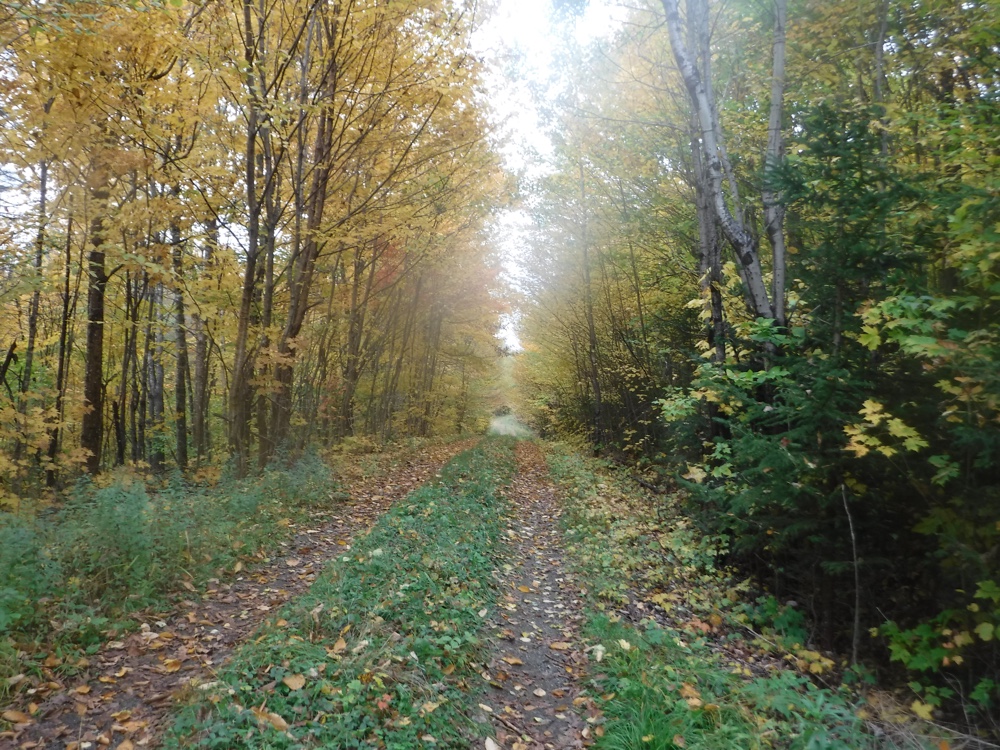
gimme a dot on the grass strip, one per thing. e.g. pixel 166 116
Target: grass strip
pixel 382 650
pixel 666 682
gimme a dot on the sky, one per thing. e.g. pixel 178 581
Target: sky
pixel 519 43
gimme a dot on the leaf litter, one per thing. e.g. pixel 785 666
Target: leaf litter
pixel 123 695
pixel 534 681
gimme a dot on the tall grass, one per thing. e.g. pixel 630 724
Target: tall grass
pixel 72 573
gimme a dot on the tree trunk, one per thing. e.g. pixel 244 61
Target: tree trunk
pixel 240 390
pixel 92 428
pixel 199 415
pixel 743 242
pixel 50 478
pixel 180 381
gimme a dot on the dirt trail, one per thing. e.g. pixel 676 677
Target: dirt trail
pixel 535 673
pixel 124 696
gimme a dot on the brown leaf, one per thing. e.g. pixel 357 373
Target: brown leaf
pixel 172 665
pixel 292 562
pixel 559 646
pixel 294 681
pixel 679 741
pixel 126 745
pixel 16 717
pixel 82 689
pixel 276 721
pixel 340 646
pixel 513 660
pixel 523 589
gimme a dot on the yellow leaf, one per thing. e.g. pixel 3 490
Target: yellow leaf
pixel 513 660
pixel 172 665
pixel 294 681
pixel 523 589
pixel 340 646
pixel 559 646
pixel 16 717
pixel 924 710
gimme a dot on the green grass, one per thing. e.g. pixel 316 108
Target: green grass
pixel 665 684
pixel 73 577
pixel 385 648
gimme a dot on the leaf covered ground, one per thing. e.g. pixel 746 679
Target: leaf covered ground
pixel 517 597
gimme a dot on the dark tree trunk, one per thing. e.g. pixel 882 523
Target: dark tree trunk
pixel 92 428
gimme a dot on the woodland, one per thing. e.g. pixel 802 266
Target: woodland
pixel 249 246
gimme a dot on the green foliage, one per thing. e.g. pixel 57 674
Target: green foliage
pixel 667 684
pixel 386 640
pixel 665 691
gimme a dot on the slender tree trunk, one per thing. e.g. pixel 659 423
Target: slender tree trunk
pixel 29 352
pixel 774 209
pixel 50 478
pixel 154 381
pixel 180 381
pixel 744 243
pixel 593 365
pixel 240 390
pixel 92 428
pixel 199 415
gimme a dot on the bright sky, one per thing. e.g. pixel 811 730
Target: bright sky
pixel 520 42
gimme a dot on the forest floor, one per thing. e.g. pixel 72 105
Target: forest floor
pixel 125 692
pixel 511 596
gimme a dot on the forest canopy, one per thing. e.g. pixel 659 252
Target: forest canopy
pixel 238 227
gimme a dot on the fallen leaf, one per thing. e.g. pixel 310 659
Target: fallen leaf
pixel 513 660
pixel 559 646
pixel 539 692
pixel 126 745
pixel 340 646
pixel 524 589
pixel 679 741
pixel 171 665
pixel 449 669
pixel 82 689
pixel 491 744
pixel 277 722
pixel 294 681
pixel 238 567
pixel 292 562
pixel 16 717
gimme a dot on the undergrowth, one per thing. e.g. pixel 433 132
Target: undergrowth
pixel 383 649
pixel 668 646
pixel 71 577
